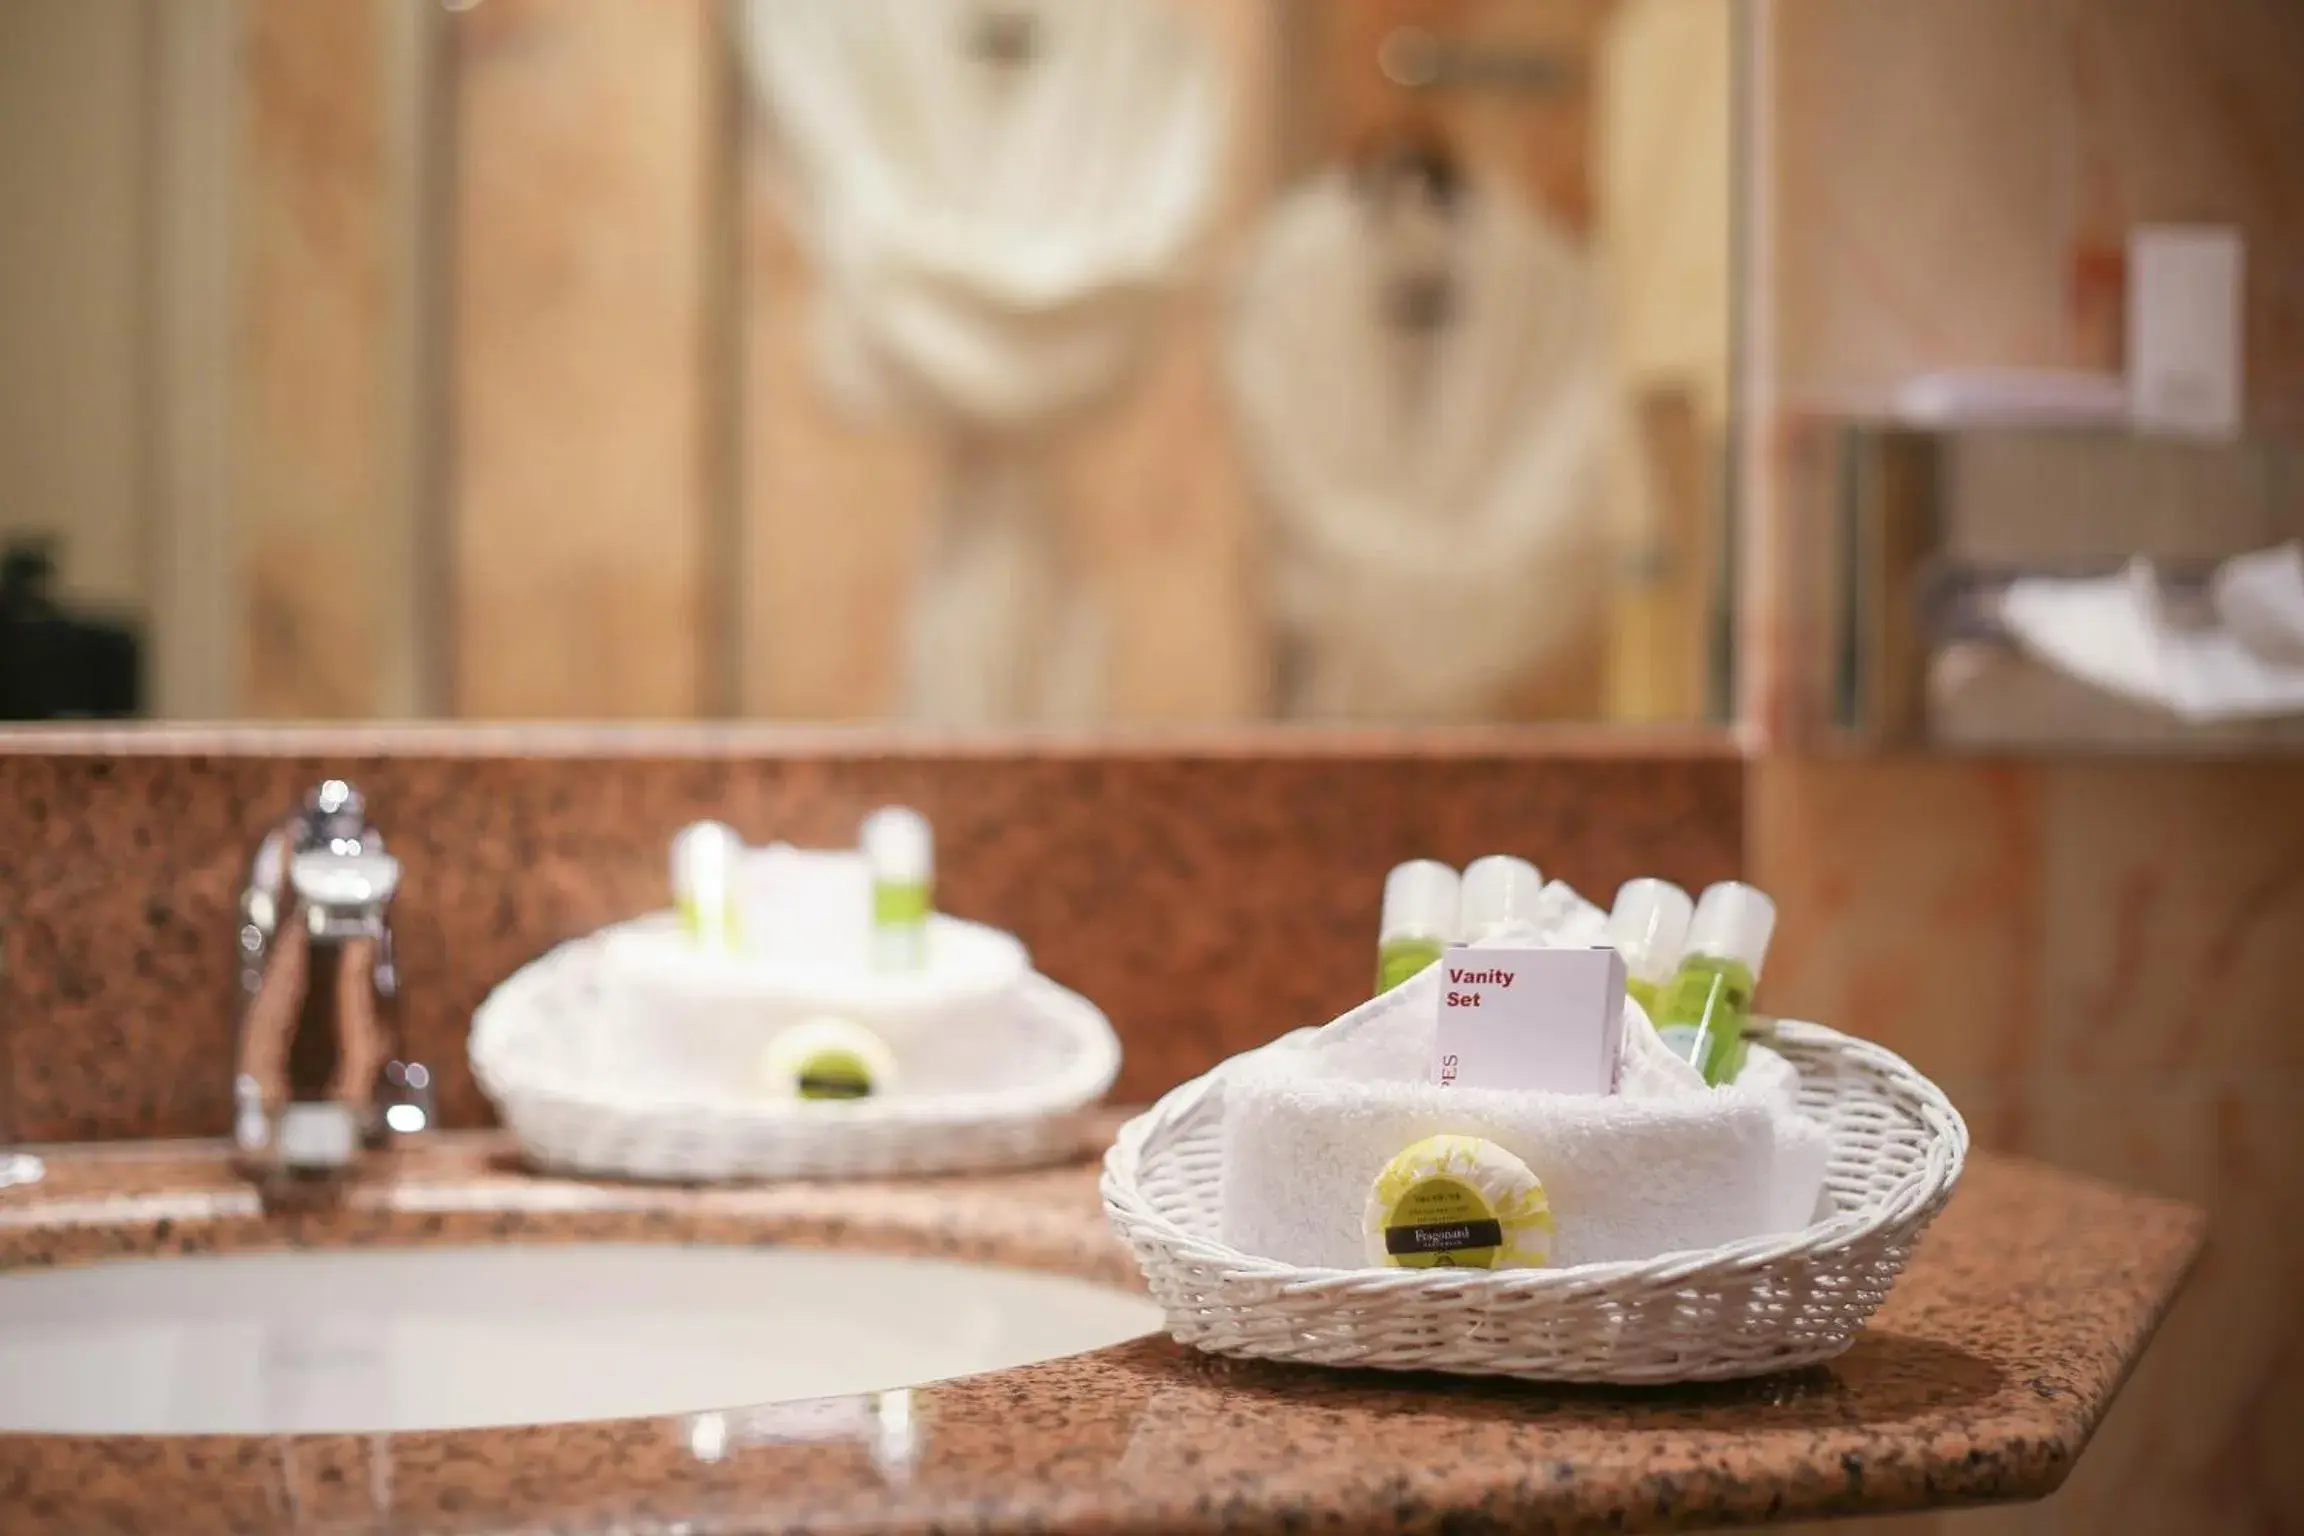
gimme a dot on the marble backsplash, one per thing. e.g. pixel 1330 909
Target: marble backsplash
pixel 1208 896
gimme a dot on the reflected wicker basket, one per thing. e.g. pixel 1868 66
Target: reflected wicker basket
pixel 590 1081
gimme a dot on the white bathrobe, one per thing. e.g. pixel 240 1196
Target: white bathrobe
pixel 993 239
pixel 1441 506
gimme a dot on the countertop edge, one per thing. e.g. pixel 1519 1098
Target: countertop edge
pixel 2090 1418
pixel 1929 1410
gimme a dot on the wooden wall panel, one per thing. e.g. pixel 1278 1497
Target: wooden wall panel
pixel 1165 499
pixel 833 508
pixel 322 538
pixel 72 167
pixel 582 289
pixel 196 629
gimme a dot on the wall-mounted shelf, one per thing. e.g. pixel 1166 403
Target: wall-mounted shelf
pixel 1919 529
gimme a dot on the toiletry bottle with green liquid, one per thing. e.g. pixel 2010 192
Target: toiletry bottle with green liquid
pixel 704 858
pixel 1419 920
pixel 900 851
pixel 1702 1013
pixel 1649 928
pixel 1499 895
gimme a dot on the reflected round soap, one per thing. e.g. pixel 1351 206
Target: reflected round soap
pixel 827 1058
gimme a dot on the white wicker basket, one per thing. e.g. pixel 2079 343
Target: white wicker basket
pixel 1762 1305
pixel 1008 1087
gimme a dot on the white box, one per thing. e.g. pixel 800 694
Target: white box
pixel 2184 330
pixel 1516 1017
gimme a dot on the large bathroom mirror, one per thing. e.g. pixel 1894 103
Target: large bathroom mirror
pixel 971 362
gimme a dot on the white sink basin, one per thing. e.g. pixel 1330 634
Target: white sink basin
pixel 455 1338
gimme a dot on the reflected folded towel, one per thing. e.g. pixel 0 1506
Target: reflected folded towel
pixel 2260 598
pixel 1664 1165
pixel 2117 633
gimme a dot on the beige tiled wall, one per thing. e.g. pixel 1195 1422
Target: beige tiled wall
pixel 1956 180
pixel 73 123
pixel 2099 962
pixel 2096 957
pixel 582 315
pixel 319 515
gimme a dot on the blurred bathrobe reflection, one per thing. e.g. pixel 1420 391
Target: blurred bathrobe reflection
pixel 996 198
pixel 1423 381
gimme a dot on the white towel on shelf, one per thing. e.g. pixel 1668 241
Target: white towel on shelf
pixel 1662 1166
pixel 2260 598
pixel 2118 633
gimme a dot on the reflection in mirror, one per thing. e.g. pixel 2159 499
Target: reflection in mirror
pixel 2009 587
pixel 2035 473
pixel 962 361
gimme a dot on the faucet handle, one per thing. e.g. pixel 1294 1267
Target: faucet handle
pixel 407 1097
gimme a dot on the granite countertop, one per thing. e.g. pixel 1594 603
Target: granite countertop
pixel 1981 1380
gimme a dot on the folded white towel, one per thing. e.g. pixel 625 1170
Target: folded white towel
pixel 2260 598
pixel 2116 633
pixel 1664 1165
pixel 1564 917
pixel 1803 1157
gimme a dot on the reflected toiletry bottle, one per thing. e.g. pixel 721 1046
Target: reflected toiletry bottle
pixel 900 851
pixel 1419 920
pixel 1701 1014
pixel 1499 898
pixel 1649 928
pixel 704 856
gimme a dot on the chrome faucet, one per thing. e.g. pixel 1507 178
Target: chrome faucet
pixel 316 1075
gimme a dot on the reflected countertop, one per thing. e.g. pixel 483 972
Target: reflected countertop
pixel 1981 1380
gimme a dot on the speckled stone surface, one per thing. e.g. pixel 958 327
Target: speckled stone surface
pixel 1981 1380
pixel 1209 893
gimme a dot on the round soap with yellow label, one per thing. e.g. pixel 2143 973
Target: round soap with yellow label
pixel 1457 1202
pixel 827 1059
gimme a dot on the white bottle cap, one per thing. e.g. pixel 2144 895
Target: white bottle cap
pixel 1734 921
pixel 898 845
pixel 704 860
pixel 1649 927
pixel 1420 899
pixel 1497 889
